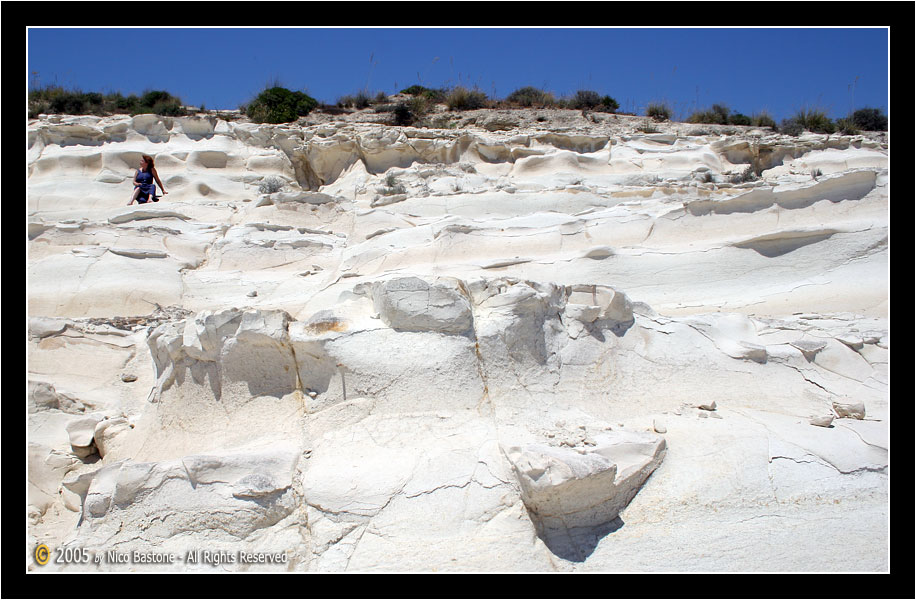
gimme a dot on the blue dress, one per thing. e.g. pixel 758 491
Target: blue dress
pixel 147 187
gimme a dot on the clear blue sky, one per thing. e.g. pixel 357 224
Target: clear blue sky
pixel 749 70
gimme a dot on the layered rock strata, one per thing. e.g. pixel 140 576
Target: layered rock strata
pixel 528 347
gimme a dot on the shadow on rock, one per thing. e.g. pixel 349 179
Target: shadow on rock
pixel 576 544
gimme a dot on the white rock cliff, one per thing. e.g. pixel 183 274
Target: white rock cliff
pixel 534 342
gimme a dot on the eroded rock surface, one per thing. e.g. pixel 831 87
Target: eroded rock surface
pixel 535 342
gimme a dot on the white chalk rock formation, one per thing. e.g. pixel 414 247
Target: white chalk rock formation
pixel 572 494
pixel 412 304
pixel 222 378
pixel 236 495
pixel 532 340
pixel 82 435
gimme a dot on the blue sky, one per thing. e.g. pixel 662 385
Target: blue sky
pixel 749 70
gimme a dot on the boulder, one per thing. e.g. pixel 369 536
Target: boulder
pixel 591 302
pixel 568 493
pixel 42 327
pixel 43 395
pixel 854 410
pixel 825 421
pixel 413 304
pixel 82 434
pixel 106 431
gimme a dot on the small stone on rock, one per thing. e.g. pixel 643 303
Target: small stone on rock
pixel 849 411
pixel 822 421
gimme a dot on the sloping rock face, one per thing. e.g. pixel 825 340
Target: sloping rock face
pixel 538 342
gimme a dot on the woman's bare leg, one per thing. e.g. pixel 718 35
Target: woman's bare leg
pixel 133 198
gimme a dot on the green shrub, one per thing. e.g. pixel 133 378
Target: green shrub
pixel 126 104
pixel 57 100
pixel 585 99
pixel 37 107
pixel 359 101
pixel 590 100
pixel 75 102
pixel 847 127
pixel 69 104
pixel 763 119
pixel 658 111
pixel 814 120
pixel 415 90
pixel 279 105
pixel 717 115
pixel 433 95
pixel 152 97
pixel 739 119
pixel 169 109
pixel 271 185
pixel 720 114
pixel 608 104
pixel 392 186
pixel 531 96
pixel 159 102
pixel 869 119
pixel 747 175
pixel 362 100
pixel 721 111
pixel 791 127
pixel 461 98
pixel 701 116
pixel 647 127
pixel 411 111
pixel 403 115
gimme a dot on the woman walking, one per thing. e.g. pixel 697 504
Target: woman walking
pixel 144 188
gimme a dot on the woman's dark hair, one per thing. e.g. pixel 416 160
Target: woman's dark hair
pixel 150 165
